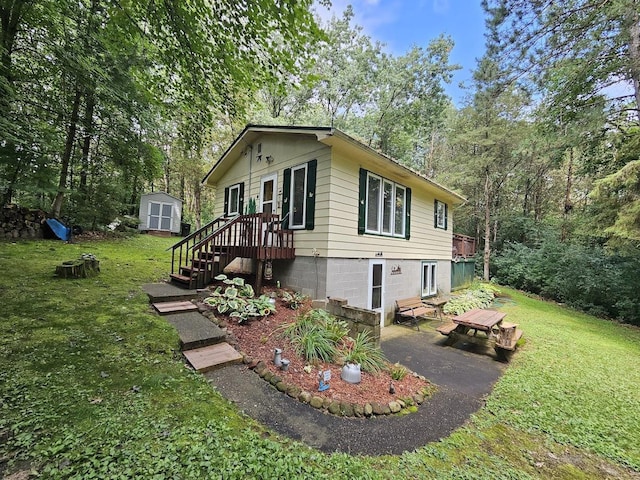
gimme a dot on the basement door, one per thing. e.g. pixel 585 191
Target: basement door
pixel 376 288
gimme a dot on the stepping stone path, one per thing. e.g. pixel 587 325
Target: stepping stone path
pixel 201 341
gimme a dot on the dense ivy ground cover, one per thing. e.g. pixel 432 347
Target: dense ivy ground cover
pixel 92 386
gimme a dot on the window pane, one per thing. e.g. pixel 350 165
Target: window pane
pixel 166 210
pixel 234 200
pixel 165 223
pixel 399 211
pixel 373 203
pixel 376 298
pixel 155 209
pixel 433 288
pixel 387 207
pixel 376 286
pixel 441 214
pixel 153 223
pixel 298 194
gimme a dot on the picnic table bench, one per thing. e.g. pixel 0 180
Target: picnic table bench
pixel 503 336
pixel 410 309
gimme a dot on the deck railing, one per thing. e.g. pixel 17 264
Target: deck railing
pixel 257 235
pixel 463 246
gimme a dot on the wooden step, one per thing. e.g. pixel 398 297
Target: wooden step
pixel 166 308
pixel 213 356
pixel 180 278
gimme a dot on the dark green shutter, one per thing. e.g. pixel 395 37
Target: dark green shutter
pixel 310 203
pixel 362 198
pixel 435 214
pixel 226 201
pixel 286 191
pixel 446 215
pixel 407 222
pixel 241 199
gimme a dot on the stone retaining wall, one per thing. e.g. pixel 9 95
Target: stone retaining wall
pixel 359 319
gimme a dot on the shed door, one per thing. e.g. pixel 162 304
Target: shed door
pixel 160 216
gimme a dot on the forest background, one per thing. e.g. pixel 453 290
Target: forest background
pixel 103 100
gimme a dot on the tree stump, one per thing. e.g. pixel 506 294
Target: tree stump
pixel 83 267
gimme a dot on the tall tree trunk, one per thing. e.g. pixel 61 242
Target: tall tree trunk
pixel 87 124
pixel 634 51
pixel 197 199
pixel 487 227
pixel 568 206
pixel 56 206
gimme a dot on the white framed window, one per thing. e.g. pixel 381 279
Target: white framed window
pixel 385 206
pixel 160 216
pixel 297 214
pixel 233 207
pixel 429 276
pixel 440 215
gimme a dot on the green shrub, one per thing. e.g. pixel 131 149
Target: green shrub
pixel 585 277
pixel 478 295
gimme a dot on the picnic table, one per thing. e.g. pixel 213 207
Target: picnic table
pixel 484 327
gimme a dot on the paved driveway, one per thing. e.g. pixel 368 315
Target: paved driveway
pixel 464 379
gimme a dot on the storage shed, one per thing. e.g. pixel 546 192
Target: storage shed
pixel 160 212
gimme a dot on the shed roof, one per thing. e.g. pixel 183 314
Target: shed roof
pixel 160 192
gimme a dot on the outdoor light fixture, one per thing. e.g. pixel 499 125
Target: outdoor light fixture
pixel 269 159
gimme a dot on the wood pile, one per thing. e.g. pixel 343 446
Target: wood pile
pixel 19 222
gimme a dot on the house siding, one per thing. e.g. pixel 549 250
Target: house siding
pixel 288 151
pixel 343 241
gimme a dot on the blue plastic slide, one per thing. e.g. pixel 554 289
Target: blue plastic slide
pixel 61 231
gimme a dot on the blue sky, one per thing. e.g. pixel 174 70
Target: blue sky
pixel 400 24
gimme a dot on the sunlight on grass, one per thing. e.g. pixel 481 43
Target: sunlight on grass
pixel 92 384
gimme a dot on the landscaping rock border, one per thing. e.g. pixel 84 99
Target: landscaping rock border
pixel 335 407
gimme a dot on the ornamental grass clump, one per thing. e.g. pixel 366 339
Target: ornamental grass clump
pixel 318 336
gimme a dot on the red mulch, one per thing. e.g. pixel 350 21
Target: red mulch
pixel 260 337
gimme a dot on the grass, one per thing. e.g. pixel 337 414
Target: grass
pixel 92 386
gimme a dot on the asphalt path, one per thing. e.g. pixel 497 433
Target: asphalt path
pixel 464 374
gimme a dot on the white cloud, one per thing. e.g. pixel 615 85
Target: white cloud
pixel 369 14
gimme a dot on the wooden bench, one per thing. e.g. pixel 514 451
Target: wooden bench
pixel 447 328
pixel 410 309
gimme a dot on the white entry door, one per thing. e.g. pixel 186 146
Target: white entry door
pixel 268 193
pixel 376 288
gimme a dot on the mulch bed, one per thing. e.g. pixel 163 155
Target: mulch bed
pixel 260 337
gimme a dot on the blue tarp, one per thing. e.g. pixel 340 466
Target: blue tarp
pixel 61 230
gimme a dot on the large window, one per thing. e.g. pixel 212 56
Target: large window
pixel 385 206
pixel 299 196
pixel 429 283
pixel 160 216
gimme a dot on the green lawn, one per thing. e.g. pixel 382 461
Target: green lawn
pixel 92 386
